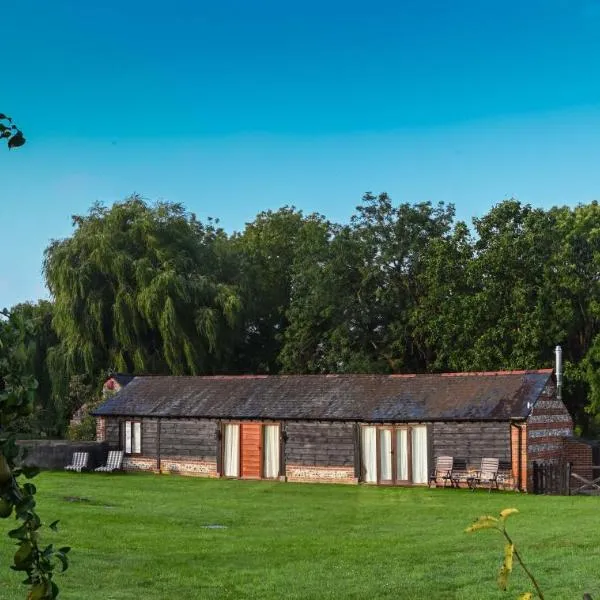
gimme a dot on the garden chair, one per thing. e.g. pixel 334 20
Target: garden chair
pixel 487 474
pixel 113 462
pixel 444 466
pixel 79 462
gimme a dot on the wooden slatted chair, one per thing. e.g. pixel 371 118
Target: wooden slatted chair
pixel 444 466
pixel 79 462
pixel 114 462
pixel 487 474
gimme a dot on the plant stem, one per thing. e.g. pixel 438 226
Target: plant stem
pixel 535 583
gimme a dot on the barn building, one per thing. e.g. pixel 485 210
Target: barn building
pixel 374 429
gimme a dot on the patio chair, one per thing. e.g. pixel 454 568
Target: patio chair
pixel 79 462
pixel 114 462
pixel 443 470
pixel 487 474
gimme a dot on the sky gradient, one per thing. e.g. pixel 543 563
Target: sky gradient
pixel 237 107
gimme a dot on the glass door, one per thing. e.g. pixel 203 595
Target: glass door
pixel 231 451
pixel 386 456
pixel 402 455
pixel 369 454
pixel 419 454
pixel 271 451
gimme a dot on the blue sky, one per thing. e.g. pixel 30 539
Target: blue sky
pixel 237 107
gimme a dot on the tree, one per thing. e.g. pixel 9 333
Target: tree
pixel 17 387
pixel 48 415
pixel 10 132
pixel 265 252
pixel 140 288
pixel 363 290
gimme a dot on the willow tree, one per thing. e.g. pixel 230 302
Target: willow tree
pixel 140 288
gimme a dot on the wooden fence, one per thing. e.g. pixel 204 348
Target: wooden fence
pixel 564 479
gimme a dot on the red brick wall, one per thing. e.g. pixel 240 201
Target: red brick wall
pixel 549 422
pixel 579 454
pixel 100 429
pixel 518 446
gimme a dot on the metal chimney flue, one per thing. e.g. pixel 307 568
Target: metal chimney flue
pixel 558 371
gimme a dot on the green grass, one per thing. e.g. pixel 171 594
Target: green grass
pixel 145 537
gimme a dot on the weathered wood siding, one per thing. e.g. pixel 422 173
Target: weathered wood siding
pixel 251 438
pixel 112 436
pixel 319 444
pixel 472 441
pixel 188 437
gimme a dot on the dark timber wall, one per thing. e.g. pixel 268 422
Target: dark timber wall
pixel 113 433
pixel 190 438
pixel 472 441
pixel 319 444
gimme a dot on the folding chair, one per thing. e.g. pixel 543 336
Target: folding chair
pixel 487 474
pixel 442 470
pixel 79 462
pixel 113 462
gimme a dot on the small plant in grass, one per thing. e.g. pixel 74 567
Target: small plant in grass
pixel 510 552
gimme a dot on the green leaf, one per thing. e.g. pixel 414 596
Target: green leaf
pixel 29 488
pixel 38 591
pixel 65 549
pixel 485 522
pixel 63 560
pixel 23 556
pixel 30 472
pixel 16 140
pixel 54 525
pixel 18 534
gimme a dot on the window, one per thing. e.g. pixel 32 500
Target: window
pixel 133 437
pixel 231 450
pixel 270 451
pixel 394 454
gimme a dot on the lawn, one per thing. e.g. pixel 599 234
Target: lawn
pixel 150 537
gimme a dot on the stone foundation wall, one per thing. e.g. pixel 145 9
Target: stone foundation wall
pixel 314 474
pixel 140 463
pixel 188 466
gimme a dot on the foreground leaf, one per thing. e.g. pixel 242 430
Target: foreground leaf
pixel 507 512
pixel 485 522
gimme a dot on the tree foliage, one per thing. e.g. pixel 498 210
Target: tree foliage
pixel 17 498
pixel 148 288
pixel 140 288
pixel 10 132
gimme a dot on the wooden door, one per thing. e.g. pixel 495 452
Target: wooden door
pixel 251 450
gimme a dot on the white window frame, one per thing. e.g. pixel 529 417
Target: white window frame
pixel 133 437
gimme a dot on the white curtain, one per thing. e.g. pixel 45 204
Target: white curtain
pixel 369 454
pixel 137 438
pixel 402 454
pixel 128 437
pixel 419 454
pixel 385 454
pixel 271 451
pixel 231 455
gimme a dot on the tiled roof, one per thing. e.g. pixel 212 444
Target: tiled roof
pixel 377 398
